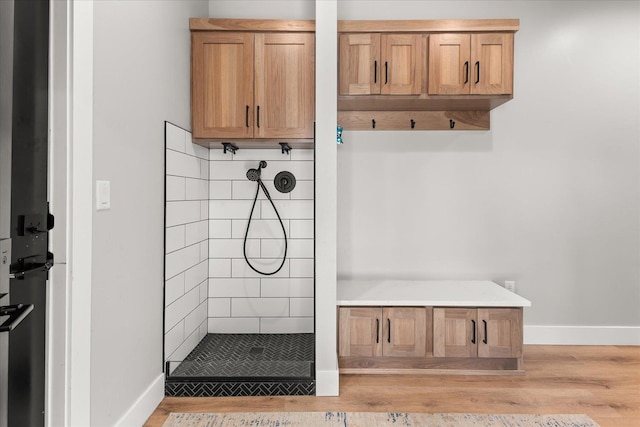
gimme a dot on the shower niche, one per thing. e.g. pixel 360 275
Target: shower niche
pixel 239 270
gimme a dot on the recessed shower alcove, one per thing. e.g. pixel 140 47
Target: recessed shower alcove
pixel 229 330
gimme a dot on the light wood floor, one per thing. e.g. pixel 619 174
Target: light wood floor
pixel 602 382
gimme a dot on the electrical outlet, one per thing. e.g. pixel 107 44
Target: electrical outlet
pixel 510 285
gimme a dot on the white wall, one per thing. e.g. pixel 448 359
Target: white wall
pixel 548 197
pixel 141 79
pixel 186 244
pixel 241 300
pixel 262 9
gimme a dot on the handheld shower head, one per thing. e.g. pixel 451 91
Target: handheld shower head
pixel 254 174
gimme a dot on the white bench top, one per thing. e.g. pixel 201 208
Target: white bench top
pixel 437 293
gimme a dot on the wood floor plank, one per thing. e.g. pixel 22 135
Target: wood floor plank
pixel 600 381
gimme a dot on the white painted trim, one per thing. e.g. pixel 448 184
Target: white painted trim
pixel 328 381
pixel 326 200
pixel 144 405
pixel 582 335
pixel 80 213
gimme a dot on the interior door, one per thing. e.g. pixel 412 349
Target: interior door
pixel 27 113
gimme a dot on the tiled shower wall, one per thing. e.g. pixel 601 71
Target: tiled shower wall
pixel 240 300
pixel 186 243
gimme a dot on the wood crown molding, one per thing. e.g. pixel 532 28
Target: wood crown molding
pixel 430 26
pixel 258 25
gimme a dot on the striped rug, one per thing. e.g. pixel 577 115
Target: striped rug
pixel 372 419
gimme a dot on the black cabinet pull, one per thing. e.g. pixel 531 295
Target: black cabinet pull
pixel 485 332
pixel 386 72
pixel 477 72
pixel 473 337
pixel 246 116
pixel 466 72
pixel 377 331
pixel 258 117
pixel 375 71
pixel 389 330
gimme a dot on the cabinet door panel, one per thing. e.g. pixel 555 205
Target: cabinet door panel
pixel 284 85
pixel 500 332
pixel 492 60
pixel 359 65
pixel 401 67
pixel 449 67
pixel 222 85
pixel 405 331
pixel 453 332
pixel 360 331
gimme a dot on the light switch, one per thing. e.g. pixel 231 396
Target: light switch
pixel 103 195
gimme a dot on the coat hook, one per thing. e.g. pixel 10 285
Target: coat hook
pixel 451 124
pixel 413 123
pixel 285 147
pixel 229 147
pixel 373 123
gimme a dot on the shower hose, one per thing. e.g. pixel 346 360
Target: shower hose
pixel 244 248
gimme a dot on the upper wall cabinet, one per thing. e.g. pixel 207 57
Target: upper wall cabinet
pixel 256 86
pixel 477 64
pixel 388 64
pixel 424 73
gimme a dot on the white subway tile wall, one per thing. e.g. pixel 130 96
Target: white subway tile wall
pixel 241 300
pixel 187 243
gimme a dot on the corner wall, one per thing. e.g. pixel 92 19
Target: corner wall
pixel 186 244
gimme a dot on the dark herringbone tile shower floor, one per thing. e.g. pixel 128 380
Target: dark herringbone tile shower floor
pixel 246 365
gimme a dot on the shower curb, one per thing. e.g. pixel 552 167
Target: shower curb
pixel 239 388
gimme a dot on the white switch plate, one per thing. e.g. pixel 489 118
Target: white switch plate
pixel 103 195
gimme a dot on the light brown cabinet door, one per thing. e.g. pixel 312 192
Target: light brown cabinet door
pixel 449 66
pixel 481 332
pixel 477 64
pixel 360 332
pixel 284 85
pixel 222 85
pixel 454 332
pixel 492 60
pixel 500 332
pixel 404 331
pixel 359 64
pixel 401 66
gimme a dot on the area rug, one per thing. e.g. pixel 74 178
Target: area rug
pixel 372 419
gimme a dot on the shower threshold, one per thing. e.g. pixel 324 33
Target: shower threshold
pixel 245 365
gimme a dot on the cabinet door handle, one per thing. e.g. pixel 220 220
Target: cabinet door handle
pixel 485 332
pixel 258 117
pixel 386 72
pixel 389 330
pixel 473 337
pixel 477 72
pixel 246 116
pixel 466 72
pixel 375 71
pixel 377 331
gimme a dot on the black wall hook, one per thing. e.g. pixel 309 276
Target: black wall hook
pixel 229 147
pixel 285 147
pixel 452 124
pixel 373 123
pixel 413 123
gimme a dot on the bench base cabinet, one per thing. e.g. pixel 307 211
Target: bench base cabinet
pixel 428 340
pixel 383 331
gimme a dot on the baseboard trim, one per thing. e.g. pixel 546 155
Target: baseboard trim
pixel 144 405
pixel 328 381
pixel 582 335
